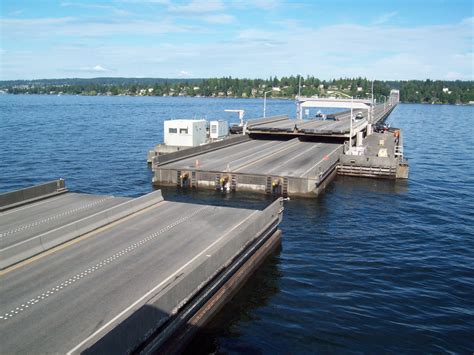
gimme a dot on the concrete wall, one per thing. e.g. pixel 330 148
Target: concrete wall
pixel 163 159
pixel 28 248
pixel 14 198
pixel 368 161
pixel 306 186
pixel 259 121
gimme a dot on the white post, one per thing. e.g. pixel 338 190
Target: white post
pixel 350 130
pixel 299 87
pixel 265 102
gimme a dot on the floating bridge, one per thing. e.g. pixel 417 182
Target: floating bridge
pixel 284 156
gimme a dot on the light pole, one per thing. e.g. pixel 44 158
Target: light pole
pixel 372 107
pixel 265 102
pixel 384 102
pixel 299 87
pixel 350 129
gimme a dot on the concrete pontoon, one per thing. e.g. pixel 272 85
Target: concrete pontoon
pixel 290 166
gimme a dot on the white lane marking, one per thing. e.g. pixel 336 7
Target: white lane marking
pixel 292 158
pixel 56 216
pixel 105 262
pixel 291 143
pixel 152 291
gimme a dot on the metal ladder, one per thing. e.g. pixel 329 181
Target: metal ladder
pixel 268 186
pixel 284 189
pixel 178 178
pixel 233 182
pixel 193 180
pixel 398 151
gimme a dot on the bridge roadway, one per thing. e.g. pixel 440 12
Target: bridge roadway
pixel 293 158
pixel 106 290
pixel 339 128
pixel 21 224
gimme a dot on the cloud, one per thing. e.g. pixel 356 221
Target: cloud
pixel 384 18
pixel 452 75
pixel 184 74
pixel 219 19
pixel 393 52
pixel 468 21
pixel 16 13
pixel 70 26
pixel 160 2
pixel 198 6
pixel 109 8
pixel 95 69
pixel 260 4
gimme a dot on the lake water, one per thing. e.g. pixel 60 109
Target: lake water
pixel 369 266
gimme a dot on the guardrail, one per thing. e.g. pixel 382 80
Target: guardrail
pixel 186 153
pixel 19 197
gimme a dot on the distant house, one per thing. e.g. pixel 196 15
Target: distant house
pixel 276 88
pixel 360 88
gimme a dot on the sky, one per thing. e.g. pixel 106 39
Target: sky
pixel 376 39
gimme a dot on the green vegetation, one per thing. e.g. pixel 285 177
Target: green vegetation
pixel 416 91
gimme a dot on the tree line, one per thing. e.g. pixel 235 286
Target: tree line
pixel 414 91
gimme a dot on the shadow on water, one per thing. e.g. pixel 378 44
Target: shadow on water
pixel 372 186
pixel 257 291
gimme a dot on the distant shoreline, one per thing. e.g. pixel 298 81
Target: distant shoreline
pixel 220 97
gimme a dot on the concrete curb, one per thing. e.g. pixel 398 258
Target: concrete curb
pixel 9 200
pixel 33 246
pixel 186 153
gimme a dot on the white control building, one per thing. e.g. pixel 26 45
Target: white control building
pixel 185 133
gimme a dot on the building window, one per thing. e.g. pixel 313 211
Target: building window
pixel 183 131
pixel 213 129
pixel 173 130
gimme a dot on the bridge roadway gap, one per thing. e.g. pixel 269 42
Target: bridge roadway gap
pixel 56 302
pixel 23 223
pixel 293 158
